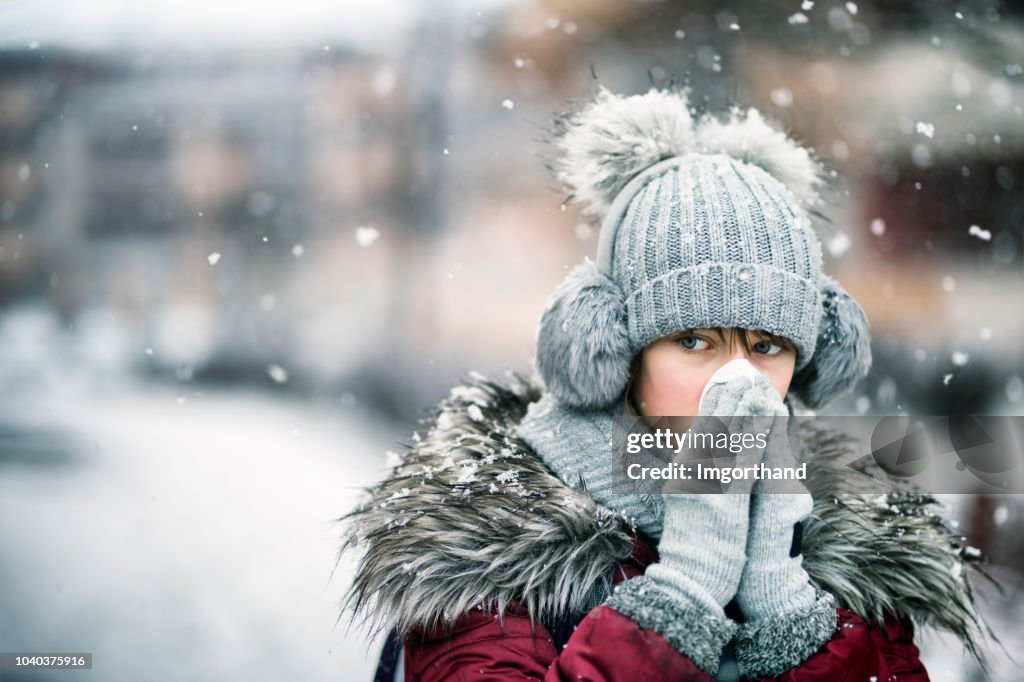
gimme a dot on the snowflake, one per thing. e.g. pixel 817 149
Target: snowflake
pixel 508 477
pixel 467 475
pixel 366 235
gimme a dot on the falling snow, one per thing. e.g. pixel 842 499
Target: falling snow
pixel 976 231
pixel 278 373
pixel 782 97
pixel 838 244
pixel 366 235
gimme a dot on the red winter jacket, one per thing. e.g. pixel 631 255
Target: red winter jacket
pixel 607 645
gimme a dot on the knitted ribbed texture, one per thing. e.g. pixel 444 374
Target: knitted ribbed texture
pixel 775 584
pixel 701 553
pixel 577 446
pixel 706 240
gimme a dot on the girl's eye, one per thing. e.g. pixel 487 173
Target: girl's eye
pixel 693 343
pixel 767 348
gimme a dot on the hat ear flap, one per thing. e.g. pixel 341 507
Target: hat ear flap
pixel 583 349
pixel 842 353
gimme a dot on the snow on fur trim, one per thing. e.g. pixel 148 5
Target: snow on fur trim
pixel 842 354
pixel 471 519
pixel 583 349
pixel 608 141
pixel 749 138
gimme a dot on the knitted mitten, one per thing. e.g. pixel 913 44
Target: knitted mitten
pixel 701 551
pixel 682 597
pixel 787 618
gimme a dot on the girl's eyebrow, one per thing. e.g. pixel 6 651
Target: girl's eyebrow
pixel 775 338
pixel 711 331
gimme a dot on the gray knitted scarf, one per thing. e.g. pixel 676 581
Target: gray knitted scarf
pixel 577 446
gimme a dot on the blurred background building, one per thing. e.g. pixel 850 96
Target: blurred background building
pixel 217 222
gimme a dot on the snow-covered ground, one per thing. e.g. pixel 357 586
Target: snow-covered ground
pixel 180 539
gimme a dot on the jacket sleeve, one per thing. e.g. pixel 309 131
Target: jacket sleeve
pixel 860 652
pixel 606 645
pixel 609 646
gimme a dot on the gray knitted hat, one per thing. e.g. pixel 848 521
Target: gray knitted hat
pixel 704 224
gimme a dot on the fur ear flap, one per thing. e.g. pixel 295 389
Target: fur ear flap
pixel 842 354
pixel 583 348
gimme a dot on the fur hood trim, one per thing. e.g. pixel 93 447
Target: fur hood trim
pixel 471 519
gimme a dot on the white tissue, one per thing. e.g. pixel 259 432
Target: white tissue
pixel 740 368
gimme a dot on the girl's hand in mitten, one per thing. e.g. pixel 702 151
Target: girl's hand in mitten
pixel 787 618
pixel 682 597
pixel 737 389
pixel 703 541
pixel 702 545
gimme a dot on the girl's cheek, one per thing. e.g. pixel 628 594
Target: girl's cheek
pixel 690 398
pixel 677 396
pixel 696 389
pixel 781 384
pixel 780 373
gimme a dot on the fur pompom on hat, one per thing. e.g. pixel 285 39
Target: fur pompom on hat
pixel 603 145
pixel 704 223
pixel 748 137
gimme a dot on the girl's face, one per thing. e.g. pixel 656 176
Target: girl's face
pixel 673 370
